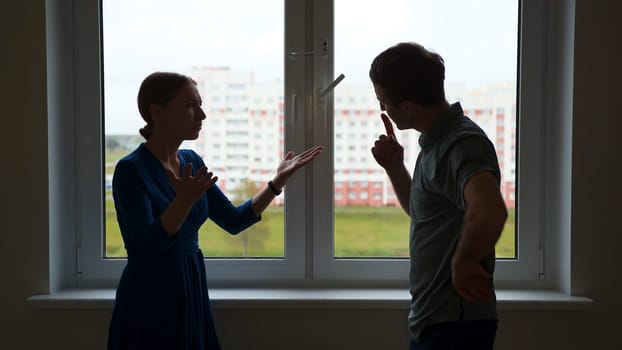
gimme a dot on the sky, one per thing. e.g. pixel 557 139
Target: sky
pixel 477 39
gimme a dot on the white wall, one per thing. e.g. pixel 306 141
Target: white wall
pixel 595 225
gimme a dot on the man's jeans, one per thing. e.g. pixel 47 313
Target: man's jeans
pixel 460 335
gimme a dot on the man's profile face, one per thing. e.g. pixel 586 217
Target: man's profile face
pixel 394 112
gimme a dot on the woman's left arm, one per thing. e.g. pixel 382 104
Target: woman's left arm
pixel 288 166
pixel 236 218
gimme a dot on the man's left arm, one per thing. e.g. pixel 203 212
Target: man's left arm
pixel 484 219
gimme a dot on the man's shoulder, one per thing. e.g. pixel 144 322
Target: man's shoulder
pixel 465 131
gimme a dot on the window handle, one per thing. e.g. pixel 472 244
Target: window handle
pixel 331 86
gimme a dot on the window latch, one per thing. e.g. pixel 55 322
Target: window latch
pixel 293 53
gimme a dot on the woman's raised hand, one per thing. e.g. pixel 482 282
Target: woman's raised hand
pixel 191 187
pixel 293 162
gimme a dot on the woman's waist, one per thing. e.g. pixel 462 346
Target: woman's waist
pixel 172 252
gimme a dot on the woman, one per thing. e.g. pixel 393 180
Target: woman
pixel 162 196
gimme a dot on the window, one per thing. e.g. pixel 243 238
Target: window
pixel 237 95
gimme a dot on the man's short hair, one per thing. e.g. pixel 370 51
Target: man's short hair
pixel 408 71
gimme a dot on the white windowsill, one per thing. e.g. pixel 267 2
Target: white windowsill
pixel 291 298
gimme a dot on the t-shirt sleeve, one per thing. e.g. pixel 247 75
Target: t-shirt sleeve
pixel 469 156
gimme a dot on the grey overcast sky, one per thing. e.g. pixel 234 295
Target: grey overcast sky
pixel 477 39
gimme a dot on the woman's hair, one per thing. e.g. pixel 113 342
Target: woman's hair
pixel 158 88
pixel 407 71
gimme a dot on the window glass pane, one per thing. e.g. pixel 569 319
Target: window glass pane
pixel 478 40
pixel 234 50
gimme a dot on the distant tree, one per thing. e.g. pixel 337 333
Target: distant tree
pixel 112 143
pixel 254 236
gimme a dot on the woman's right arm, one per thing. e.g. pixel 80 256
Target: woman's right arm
pixel 143 233
pixel 188 188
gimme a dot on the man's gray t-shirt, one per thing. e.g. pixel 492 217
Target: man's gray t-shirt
pixel 452 151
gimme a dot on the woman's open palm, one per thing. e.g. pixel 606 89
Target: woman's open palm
pixel 293 161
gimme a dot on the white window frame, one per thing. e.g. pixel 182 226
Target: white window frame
pixel 527 269
pixel 309 228
pixel 92 269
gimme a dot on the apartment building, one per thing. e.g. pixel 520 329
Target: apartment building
pixel 243 141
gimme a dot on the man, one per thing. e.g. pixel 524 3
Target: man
pixel 453 200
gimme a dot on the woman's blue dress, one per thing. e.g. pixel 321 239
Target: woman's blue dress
pixel 162 300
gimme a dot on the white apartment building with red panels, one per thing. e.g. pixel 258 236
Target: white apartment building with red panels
pixel 243 137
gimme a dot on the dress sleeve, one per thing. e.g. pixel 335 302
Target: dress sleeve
pixel 143 234
pixel 231 218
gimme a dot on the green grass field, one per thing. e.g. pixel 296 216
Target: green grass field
pixel 359 232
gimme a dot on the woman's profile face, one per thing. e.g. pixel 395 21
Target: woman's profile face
pixel 183 116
